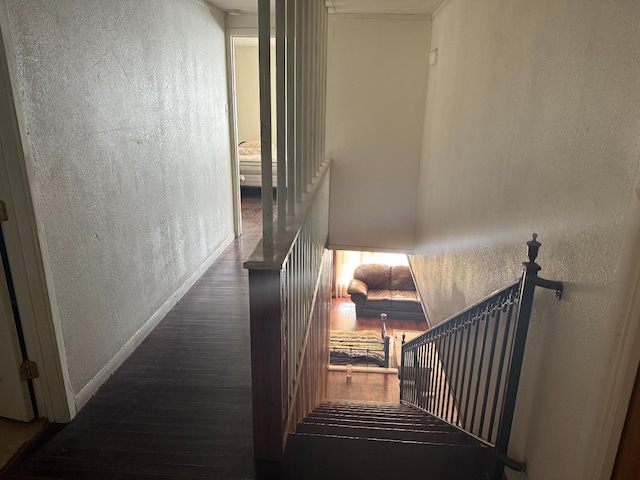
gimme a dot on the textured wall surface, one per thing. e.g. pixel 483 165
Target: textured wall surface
pixel 376 89
pixel 125 113
pixel 531 125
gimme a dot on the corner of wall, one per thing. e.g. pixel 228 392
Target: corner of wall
pixel 85 394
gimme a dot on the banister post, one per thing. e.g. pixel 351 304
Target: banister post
pixel 268 363
pixel 528 284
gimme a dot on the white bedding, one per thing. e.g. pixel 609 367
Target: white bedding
pixel 251 170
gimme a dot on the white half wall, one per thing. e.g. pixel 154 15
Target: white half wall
pixel 532 125
pixel 124 107
pixel 376 89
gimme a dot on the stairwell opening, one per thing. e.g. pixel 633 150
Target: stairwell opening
pixel 357 332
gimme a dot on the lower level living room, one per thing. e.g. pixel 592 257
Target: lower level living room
pixel 356 370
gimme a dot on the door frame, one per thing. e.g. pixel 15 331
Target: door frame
pixel 625 353
pixel 20 402
pixel 627 465
pixel 245 25
pixel 233 132
pixel 26 248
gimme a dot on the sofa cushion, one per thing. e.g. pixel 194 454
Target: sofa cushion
pixel 401 279
pixel 357 287
pixel 379 299
pixel 375 275
pixel 405 300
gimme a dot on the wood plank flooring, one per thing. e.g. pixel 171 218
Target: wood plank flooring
pixel 180 406
pixel 343 317
pixel 363 386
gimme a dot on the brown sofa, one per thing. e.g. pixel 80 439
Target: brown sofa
pixel 377 289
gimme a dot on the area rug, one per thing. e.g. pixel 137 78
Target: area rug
pixel 364 347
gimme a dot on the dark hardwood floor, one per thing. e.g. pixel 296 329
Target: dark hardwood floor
pixel 180 406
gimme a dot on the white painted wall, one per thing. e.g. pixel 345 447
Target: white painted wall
pixel 248 92
pixel 377 81
pixel 532 125
pixel 128 144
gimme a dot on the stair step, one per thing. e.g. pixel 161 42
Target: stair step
pixel 395 410
pixel 370 411
pixel 378 420
pixel 375 414
pixel 424 424
pixel 378 432
pixel 316 457
pixel 346 440
pixel 367 405
pixel 372 414
pixel 369 408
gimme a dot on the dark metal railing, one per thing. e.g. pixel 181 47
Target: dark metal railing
pixel 455 370
pixel 466 370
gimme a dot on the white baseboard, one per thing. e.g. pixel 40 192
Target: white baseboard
pixel 96 382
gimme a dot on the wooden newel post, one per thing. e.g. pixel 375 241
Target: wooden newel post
pixel 268 363
pixel 528 284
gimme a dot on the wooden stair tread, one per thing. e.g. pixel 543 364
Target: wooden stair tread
pixel 347 439
pixel 391 423
pixel 464 447
pixel 318 457
pixel 381 433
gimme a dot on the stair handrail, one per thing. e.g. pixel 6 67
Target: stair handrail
pixel 434 361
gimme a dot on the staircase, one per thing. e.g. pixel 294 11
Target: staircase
pixel 364 440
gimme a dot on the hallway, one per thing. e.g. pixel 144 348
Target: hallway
pixel 180 405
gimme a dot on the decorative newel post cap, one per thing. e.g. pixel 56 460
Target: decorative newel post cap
pixel 534 246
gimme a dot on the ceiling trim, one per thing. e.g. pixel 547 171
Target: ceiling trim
pixel 379 16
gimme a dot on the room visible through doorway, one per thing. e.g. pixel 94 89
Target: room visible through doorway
pixel 367 379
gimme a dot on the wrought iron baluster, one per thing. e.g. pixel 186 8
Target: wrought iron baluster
pixel 431 376
pixel 423 379
pixel 467 329
pixel 449 374
pixel 500 382
pixel 480 366
pixel 437 373
pixel 466 370
pixel 475 322
pixel 456 388
pixel 494 339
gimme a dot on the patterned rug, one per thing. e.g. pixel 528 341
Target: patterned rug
pixel 364 347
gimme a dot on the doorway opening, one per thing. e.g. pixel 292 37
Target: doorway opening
pixel 245 124
pixel 19 418
pixel 364 349
pixel 19 401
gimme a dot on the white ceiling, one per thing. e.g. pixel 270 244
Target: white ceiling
pixel 377 7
